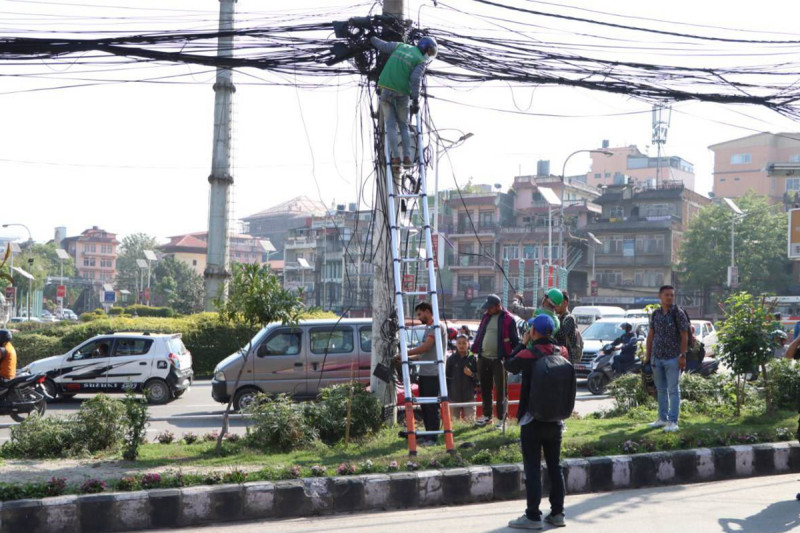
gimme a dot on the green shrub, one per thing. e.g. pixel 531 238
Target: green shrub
pixel 34 346
pixel 278 424
pixel 329 415
pixel 695 388
pixel 116 311
pixel 41 438
pixel 784 383
pixel 146 311
pixel 628 392
pixel 101 421
pixel 134 428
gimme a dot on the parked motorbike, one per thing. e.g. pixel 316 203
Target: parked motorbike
pixel 23 396
pixel 604 373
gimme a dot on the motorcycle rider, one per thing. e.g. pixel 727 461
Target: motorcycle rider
pixel 8 357
pixel 779 338
pixel 629 343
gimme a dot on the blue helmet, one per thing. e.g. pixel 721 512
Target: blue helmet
pixel 427 45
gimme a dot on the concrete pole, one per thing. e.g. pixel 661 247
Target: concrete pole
pixel 383 349
pixel 217 261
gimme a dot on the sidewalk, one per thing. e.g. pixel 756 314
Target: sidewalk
pixel 756 505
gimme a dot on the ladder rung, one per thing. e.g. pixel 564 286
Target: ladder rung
pixel 408 228
pixel 413 259
pixel 434 432
pixel 418 293
pixel 423 363
pixel 422 401
pixel 409 196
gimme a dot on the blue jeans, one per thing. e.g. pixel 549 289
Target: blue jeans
pixel 395 114
pixel 667 377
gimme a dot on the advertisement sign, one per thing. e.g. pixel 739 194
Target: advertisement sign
pixel 469 294
pixel 422 288
pixel 109 297
pixel 794 234
pixel 594 288
pixel 11 293
pixel 408 282
pixel 61 291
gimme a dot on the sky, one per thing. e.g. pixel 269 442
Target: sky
pixel 135 157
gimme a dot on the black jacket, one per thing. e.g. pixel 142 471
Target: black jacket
pixel 461 387
pixel 523 361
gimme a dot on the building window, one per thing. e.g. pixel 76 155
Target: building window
pixel 613 244
pixel 609 278
pixel 794 158
pixel 597 176
pixel 555 253
pixel 616 212
pixel 736 179
pixel 658 210
pixel 648 278
pixel 464 282
pixel 105 248
pixel 486 218
pixel 607 175
pixel 88 261
pixel 91 248
pixel 792 184
pixel 722 179
pixel 511 251
pixel 740 159
pixel 530 251
pixel 486 284
pixel 194 262
pixel 650 244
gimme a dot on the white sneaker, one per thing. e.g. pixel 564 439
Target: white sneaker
pixel 657 424
pixel 523 522
pixel 671 427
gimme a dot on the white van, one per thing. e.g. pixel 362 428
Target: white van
pixel 156 364
pixel 585 315
pixel 637 313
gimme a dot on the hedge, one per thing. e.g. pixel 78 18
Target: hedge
pixel 204 335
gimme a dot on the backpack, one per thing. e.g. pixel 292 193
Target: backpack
pixel 553 387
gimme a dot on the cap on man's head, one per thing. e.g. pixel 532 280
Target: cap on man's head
pixel 544 325
pixel 555 296
pixel 491 301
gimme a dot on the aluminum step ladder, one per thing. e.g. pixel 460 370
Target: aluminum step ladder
pixel 398 261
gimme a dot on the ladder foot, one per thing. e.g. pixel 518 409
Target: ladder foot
pixel 412 454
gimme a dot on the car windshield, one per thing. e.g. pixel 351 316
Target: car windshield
pixel 602 331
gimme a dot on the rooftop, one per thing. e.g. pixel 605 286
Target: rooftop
pixel 300 205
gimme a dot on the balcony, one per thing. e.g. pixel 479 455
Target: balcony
pixel 633 223
pixel 468 229
pixel 305 242
pixel 473 261
pixel 661 259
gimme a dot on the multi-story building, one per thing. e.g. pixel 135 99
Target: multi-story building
pixel 274 223
pixel 644 170
pixel 95 254
pixel 192 248
pixel 743 165
pixel 640 231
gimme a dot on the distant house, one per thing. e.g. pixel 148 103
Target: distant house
pixel 274 223
pixel 95 254
pixel 192 248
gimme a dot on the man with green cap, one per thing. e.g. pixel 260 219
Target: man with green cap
pixel 400 80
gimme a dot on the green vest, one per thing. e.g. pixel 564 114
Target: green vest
pixel 397 71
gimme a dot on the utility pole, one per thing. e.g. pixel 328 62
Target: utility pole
pixel 383 349
pixel 221 180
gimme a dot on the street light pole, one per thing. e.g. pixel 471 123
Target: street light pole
pixel 562 256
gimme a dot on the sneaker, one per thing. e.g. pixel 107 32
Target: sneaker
pixel 499 426
pixel 556 520
pixel 483 421
pixel 407 163
pixel 523 522
pixel 395 161
pixel 657 424
pixel 671 427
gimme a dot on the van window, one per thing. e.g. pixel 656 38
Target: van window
pixel 132 347
pixel 328 340
pixel 282 343
pixel 365 335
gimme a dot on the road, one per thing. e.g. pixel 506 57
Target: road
pixel 197 401
pixel 755 505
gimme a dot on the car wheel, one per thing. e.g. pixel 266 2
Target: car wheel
pixel 178 393
pixel 157 391
pixel 51 389
pixel 244 398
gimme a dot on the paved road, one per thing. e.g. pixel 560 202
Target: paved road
pixel 197 401
pixel 756 505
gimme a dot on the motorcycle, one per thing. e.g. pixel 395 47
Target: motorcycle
pixel 603 371
pixel 23 396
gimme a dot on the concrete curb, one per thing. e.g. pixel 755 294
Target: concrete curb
pixel 193 506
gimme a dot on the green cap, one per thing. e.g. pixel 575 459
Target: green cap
pixel 555 296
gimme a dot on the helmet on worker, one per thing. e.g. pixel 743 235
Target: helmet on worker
pixel 427 45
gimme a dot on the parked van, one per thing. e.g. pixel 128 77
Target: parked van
pixel 585 316
pixel 296 360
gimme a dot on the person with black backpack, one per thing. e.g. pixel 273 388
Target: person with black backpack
pixel 547 398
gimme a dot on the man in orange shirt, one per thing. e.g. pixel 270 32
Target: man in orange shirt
pixel 8 356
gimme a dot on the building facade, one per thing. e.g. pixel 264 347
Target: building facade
pixel 644 171
pixel 95 254
pixel 276 222
pixel 742 165
pixel 192 248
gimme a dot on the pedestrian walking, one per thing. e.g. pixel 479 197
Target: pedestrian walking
pixel 667 344
pixel 547 398
pixel 496 339
pixel 462 376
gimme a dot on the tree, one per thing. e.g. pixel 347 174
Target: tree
pixel 45 264
pixel 132 248
pixel 759 246
pixel 255 299
pixel 745 341
pixel 178 286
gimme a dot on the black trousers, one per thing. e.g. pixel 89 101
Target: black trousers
pixel 429 387
pixel 492 373
pixel 535 437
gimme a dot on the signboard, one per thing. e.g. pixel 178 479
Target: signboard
pixel 11 293
pixel 435 245
pixel 469 294
pixel 61 291
pixel 408 282
pixel 733 277
pixel 147 294
pixel 422 288
pixel 794 234
pixel 594 288
pixel 109 297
